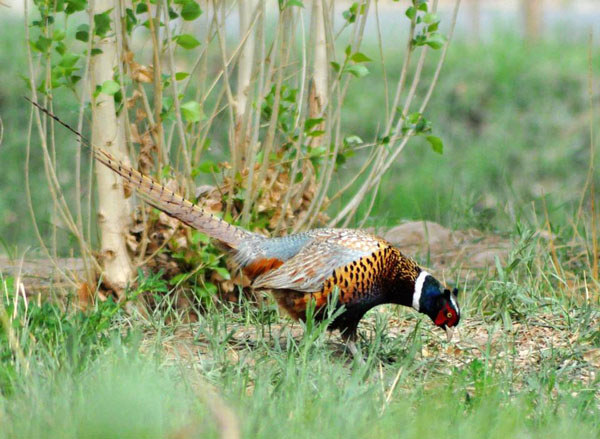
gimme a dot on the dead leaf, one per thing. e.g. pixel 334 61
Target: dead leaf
pixel 593 357
pixel 85 295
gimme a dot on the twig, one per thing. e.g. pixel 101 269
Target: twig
pixel 391 391
pixel 187 166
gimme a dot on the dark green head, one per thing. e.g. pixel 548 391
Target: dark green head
pixel 439 303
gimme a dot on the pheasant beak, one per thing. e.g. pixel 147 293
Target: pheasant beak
pixel 449 333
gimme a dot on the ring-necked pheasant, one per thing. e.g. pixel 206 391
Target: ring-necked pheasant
pixel 367 270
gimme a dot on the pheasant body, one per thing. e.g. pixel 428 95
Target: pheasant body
pixel 376 274
pixel 364 269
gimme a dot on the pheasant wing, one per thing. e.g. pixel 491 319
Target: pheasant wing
pixel 311 266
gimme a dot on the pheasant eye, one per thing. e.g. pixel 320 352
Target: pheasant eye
pixel 449 314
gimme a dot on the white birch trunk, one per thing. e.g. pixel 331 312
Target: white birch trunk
pixel 532 19
pixel 247 9
pixel 320 79
pixel 114 211
pixel 474 11
pixel 321 64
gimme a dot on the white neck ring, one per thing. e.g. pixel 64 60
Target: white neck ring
pixel 418 289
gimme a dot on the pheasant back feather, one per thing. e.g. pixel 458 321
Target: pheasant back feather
pixel 359 280
pixel 324 251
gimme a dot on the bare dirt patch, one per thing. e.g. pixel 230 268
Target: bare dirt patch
pixel 471 248
pixel 540 345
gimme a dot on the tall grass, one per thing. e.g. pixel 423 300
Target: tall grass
pixel 104 374
pixel 524 365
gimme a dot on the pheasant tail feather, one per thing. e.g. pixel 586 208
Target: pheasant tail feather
pixel 174 204
pixel 162 198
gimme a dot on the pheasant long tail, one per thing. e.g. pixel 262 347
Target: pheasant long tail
pixel 164 199
pixel 174 204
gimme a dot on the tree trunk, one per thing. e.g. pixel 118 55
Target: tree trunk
pixel 114 211
pixel 320 83
pixel 532 18
pixel 474 11
pixel 247 8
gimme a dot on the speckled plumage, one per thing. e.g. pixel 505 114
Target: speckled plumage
pixel 365 269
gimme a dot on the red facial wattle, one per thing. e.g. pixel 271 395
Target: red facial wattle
pixel 447 316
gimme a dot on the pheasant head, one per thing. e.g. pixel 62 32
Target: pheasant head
pixel 439 303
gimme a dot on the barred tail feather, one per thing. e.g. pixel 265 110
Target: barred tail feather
pixel 162 198
pixel 174 204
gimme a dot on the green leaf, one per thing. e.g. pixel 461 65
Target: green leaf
pixel 436 40
pixel 318 151
pixel 352 13
pixel 423 126
pixel 349 16
pixel 419 40
pixel 360 57
pixel 102 23
pixel 430 18
pixel 141 8
pixel 75 6
pixel 211 288
pixel 187 41
pixel 357 70
pixel 208 167
pixel 60 48
pixel 384 140
pixel 42 44
pixel 315 133
pixel 58 35
pixel 352 140
pixel 297 3
pixel 192 111
pixel 199 237
pixel 110 87
pixel 155 20
pixel 181 75
pixel 411 12
pixel 433 27
pixel 336 66
pixel 178 278
pixel 69 60
pixel 190 11
pixel 83 33
pixel 413 118
pixel 130 20
pixel 311 123
pixel 436 144
pixel 223 273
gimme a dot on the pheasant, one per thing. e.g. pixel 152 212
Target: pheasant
pixel 364 269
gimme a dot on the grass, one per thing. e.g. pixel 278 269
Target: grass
pixel 524 364
pixel 519 369
pixel 515 122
